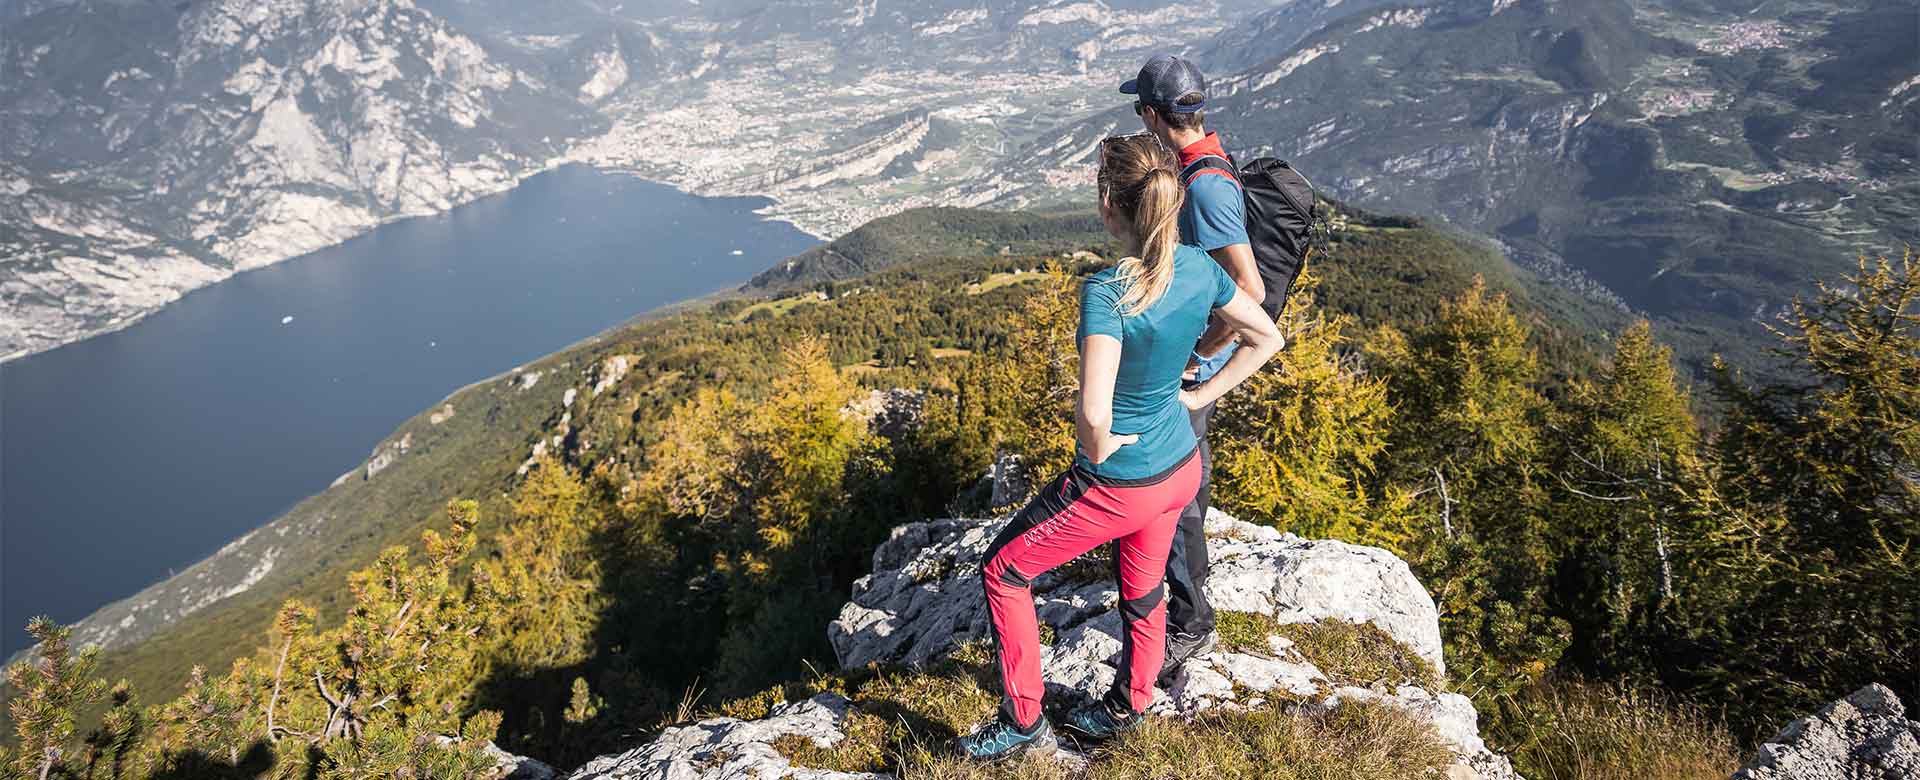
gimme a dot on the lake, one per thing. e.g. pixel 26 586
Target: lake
pixel 133 454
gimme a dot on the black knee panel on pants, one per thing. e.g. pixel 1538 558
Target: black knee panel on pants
pixel 1140 608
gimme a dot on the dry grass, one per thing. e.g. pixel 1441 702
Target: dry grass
pixel 1575 731
pixel 1350 653
pixel 905 722
pixel 1370 741
pixel 1352 741
pixel 999 280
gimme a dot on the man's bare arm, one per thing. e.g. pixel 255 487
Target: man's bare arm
pixel 1238 260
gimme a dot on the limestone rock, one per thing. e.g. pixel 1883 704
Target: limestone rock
pixel 1009 482
pixel 730 748
pixel 387 453
pixel 514 767
pixel 925 598
pixel 889 413
pixel 924 595
pixel 1865 736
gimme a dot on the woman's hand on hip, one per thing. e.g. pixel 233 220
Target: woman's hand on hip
pixel 1110 444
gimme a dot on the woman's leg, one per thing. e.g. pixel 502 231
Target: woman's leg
pixel 1141 560
pixel 1072 514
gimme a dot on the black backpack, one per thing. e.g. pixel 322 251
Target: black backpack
pixel 1280 214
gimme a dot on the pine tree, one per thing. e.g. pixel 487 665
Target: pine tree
pixel 111 745
pixel 49 689
pixel 370 698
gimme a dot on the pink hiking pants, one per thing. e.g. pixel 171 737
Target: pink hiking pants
pixel 1073 514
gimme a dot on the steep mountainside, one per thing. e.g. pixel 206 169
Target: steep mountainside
pixel 151 148
pixel 1699 161
pixel 147 149
pixel 1686 158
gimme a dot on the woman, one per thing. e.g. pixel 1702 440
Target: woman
pixel 1134 466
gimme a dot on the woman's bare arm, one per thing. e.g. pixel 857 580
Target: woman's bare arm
pixel 1093 420
pixel 1259 340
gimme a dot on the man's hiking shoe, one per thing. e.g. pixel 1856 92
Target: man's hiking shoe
pixel 1182 648
pixel 999 740
pixel 1099 721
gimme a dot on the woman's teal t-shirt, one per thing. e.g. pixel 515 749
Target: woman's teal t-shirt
pixel 1154 347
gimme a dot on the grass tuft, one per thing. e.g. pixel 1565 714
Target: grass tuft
pixel 1351 653
pixel 1579 731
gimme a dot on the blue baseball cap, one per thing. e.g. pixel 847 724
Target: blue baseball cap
pixel 1163 80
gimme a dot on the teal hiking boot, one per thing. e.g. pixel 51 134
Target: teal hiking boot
pixel 1100 721
pixel 999 740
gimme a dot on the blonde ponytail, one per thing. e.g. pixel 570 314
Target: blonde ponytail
pixel 1138 179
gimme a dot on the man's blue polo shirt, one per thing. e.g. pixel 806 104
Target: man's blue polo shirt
pixel 1213 217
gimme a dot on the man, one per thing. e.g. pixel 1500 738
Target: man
pixel 1171 99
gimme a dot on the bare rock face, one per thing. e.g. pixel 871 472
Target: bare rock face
pixel 730 748
pixel 1865 736
pixel 890 413
pixel 924 596
pixel 512 767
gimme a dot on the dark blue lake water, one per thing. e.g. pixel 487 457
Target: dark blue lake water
pixel 136 453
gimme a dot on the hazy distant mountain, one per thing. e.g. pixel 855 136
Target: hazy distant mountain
pixel 1697 160
pixel 1700 161
pixel 150 148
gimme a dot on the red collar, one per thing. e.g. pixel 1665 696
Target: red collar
pixel 1210 145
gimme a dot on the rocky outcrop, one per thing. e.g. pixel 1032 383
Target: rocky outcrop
pixel 923 597
pixel 1865 736
pixel 729 747
pixel 511 767
pixel 889 413
pixel 923 600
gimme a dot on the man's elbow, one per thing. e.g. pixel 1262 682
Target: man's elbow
pixel 1254 287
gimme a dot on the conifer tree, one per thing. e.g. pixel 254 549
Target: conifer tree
pixel 1039 372
pixel 543 584
pixel 1630 450
pixel 49 689
pixel 1467 429
pixel 1298 442
pixel 370 698
pixel 110 746
pixel 1810 589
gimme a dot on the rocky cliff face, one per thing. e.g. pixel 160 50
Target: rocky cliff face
pixel 148 149
pixel 923 601
pixel 1865 736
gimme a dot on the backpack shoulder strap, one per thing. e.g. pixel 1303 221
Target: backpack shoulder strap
pixel 1211 164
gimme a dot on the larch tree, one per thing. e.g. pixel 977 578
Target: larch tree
pixel 1298 442
pixel 1818 504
